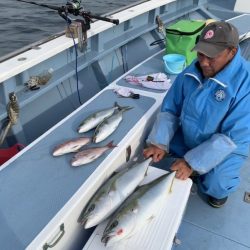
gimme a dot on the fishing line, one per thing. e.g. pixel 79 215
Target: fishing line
pixel 73 7
pixel 68 21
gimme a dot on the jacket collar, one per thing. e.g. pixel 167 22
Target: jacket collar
pixel 223 77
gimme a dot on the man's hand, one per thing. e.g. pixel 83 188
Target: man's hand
pixel 156 153
pixel 182 168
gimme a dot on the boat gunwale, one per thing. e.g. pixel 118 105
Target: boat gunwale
pixel 12 66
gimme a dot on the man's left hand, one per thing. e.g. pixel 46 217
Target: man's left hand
pixel 182 168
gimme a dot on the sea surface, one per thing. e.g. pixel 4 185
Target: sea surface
pixel 22 24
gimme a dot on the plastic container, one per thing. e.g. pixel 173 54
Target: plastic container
pixel 174 63
pixel 45 76
pixel 7 153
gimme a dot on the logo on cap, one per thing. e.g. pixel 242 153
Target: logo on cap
pixel 209 34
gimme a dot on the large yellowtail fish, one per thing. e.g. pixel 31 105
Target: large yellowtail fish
pixel 88 155
pixel 137 210
pixel 112 193
pixel 109 125
pixel 94 119
pixel 71 146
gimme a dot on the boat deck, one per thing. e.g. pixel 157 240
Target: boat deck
pixel 204 227
pixel 31 190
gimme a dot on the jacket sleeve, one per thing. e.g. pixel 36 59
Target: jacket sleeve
pixel 167 120
pixel 209 153
pixel 234 138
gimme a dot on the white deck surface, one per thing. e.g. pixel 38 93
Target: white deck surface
pixel 160 232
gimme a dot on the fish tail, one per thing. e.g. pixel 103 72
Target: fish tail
pixel 122 108
pixel 117 105
pixel 111 145
pixel 126 108
pixel 171 186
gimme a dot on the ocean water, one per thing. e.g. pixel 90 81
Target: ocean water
pixel 22 24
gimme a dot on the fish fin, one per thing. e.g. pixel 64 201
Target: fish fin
pixel 97 129
pixel 95 132
pixel 151 218
pixel 126 108
pixel 117 105
pixel 146 173
pixel 111 193
pixel 114 173
pixel 80 218
pixel 111 145
pixel 171 186
pixel 79 149
pixel 93 157
pixel 98 126
pixel 122 108
pixel 135 210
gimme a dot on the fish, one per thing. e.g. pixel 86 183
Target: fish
pixel 138 209
pixel 112 193
pixel 109 125
pixel 96 118
pixel 88 155
pixel 71 146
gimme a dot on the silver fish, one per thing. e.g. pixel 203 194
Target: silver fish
pixel 90 154
pixel 109 125
pixel 71 146
pixel 112 193
pixel 93 120
pixel 137 210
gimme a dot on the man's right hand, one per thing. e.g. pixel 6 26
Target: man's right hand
pixel 155 152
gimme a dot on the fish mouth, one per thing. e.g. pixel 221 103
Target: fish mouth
pixel 87 222
pixel 105 239
pixel 82 221
pixel 74 163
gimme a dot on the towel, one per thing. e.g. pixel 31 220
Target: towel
pixel 157 81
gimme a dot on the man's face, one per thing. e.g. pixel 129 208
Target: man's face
pixel 211 66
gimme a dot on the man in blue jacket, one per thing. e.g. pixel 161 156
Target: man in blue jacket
pixel 205 116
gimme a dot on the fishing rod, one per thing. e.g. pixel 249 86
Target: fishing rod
pixel 73 7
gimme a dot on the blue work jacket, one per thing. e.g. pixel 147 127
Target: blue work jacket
pixel 206 119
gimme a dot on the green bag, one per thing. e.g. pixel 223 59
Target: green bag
pixel 181 38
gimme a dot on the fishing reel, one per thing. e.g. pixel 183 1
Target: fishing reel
pixel 74 7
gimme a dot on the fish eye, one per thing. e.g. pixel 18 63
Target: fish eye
pixel 114 224
pixel 91 208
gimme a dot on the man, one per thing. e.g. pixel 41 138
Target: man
pixel 205 116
